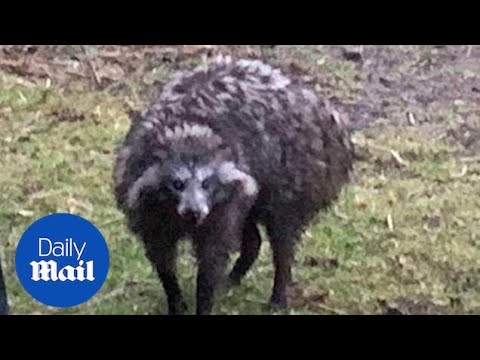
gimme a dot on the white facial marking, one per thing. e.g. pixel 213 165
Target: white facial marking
pixel 148 178
pixel 183 174
pixel 194 200
pixel 228 173
pixel 203 173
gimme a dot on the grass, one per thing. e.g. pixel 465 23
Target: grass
pixel 404 237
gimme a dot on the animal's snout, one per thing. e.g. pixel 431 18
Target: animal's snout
pixel 192 215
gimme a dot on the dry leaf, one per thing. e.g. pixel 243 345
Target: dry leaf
pixel 390 222
pixel 26 213
pixel 398 159
pixel 411 118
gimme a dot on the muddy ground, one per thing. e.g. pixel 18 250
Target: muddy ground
pixel 371 82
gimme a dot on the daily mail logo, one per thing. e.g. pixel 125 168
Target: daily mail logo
pixel 62 260
pixel 50 271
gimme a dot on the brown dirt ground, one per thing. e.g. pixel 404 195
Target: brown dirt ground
pixel 407 84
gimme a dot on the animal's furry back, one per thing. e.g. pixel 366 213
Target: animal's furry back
pixel 293 143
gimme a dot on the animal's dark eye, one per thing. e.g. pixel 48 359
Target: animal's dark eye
pixel 206 183
pixel 178 185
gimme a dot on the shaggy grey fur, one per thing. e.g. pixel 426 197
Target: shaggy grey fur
pixel 274 154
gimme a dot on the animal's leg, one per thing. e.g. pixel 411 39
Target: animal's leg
pixel 251 242
pixel 162 254
pixel 211 268
pixel 283 242
pixel 213 245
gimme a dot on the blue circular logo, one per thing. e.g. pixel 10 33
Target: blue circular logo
pixel 62 260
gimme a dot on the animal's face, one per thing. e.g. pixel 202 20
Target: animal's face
pixel 196 189
pixel 195 186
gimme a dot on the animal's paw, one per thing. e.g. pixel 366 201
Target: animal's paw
pixel 178 308
pixel 278 304
pixel 226 285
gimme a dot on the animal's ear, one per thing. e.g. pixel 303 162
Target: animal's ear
pixel 229 173
pixel 150 178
